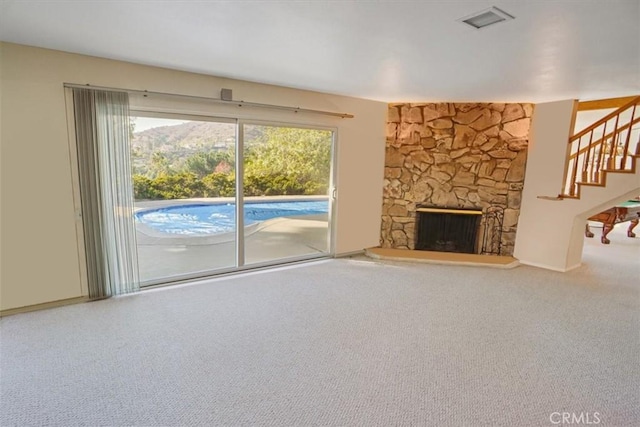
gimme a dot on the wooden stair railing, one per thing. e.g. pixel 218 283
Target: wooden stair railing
pixel 611 144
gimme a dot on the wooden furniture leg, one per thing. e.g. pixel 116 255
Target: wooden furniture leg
pixel 606 229
pixel 587 231
pixel 632 225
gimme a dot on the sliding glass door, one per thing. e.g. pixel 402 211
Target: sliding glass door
pixel 184 190
pixel 214 196
pixel 286 182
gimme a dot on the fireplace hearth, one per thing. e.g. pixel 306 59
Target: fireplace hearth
pixel 448 230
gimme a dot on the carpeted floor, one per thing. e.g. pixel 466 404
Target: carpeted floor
pixel 348 342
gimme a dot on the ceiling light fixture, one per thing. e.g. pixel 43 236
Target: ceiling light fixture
pixel 486 17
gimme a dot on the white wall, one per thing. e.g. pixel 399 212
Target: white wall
pixel 40 255
pixel 540 240
pixel 551 233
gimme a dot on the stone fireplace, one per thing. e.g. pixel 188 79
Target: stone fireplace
pixel 455 156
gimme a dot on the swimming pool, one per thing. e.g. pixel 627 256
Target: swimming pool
pixel 204 219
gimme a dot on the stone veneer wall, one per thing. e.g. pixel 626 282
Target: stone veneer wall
pixel 469 155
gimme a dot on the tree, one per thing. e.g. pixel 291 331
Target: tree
pixel 277 161
pixel 288 161
pixel 204 163
pixel 219 184
pixel 159 165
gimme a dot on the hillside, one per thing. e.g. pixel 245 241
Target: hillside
pixel 197 159
pixel 187 136
pixel 172 145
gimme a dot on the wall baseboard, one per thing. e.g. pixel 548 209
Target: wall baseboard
pixel 548 267
pixel 349 254
pixel 43 306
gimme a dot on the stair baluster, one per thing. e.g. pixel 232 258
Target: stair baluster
pixel 585 160
pixel 625 151
pixel 613 147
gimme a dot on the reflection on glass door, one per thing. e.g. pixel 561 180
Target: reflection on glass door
pixel 184 189
pixel 286 184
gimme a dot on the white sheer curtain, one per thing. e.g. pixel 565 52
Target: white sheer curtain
pixel 106 189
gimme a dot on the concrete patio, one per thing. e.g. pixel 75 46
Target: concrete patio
pixel 163 256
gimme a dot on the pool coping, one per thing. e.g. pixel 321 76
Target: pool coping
pixel 146 235
pixel 154 204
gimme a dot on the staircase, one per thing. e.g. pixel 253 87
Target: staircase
pixel 599 168
pixel 610 145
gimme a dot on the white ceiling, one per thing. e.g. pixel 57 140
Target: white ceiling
pixel 386 50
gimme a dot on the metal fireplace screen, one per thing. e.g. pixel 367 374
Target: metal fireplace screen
pixel 447 230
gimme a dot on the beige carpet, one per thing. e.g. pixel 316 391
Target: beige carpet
pixel 346 342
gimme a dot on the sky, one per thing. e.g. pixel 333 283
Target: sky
pixel 144 123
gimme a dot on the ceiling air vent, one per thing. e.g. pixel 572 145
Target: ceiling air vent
pixel 486 17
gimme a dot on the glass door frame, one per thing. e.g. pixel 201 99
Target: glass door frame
pixel 165 114
pixel 240 246
pixel 239 196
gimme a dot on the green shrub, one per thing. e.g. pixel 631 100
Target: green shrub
pixel 177 186
pixel 219 184
pixel 143 188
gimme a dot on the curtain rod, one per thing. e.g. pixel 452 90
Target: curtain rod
pixel 216 100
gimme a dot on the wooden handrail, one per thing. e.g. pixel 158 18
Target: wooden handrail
pixel 634 101
pixel 603 104
pixel 604 138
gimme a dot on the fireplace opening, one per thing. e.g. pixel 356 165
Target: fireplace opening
pixel 447 230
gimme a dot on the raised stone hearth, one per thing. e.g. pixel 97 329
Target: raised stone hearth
pixel 447 258
pixel 453 155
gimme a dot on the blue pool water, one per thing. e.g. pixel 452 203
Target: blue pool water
pixel 220 218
